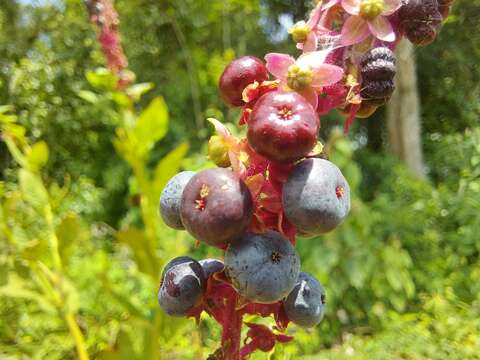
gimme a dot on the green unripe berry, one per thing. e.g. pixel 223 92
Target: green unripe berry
pixel 218 151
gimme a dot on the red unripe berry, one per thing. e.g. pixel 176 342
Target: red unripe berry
pixel 283 126
pixel 238 75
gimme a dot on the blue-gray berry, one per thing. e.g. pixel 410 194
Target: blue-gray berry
pixel 262 267
pixel 316 196
pixel 211 266
pixel 171 198
pixel 305 305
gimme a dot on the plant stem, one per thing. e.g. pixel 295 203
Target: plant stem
pixel 77 336
pixel 232 330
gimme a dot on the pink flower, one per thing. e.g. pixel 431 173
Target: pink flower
pixel 368 17
pixel 307 75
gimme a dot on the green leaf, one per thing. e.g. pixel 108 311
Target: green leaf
pixel 5 109
pixel 37 157
pixel 138 90
pixel 33 190
pixel 88 96
pixel 69 232
pixel 137 241
pixel 152 125
pixel 168 167
pixel 102 79
pixel 3 272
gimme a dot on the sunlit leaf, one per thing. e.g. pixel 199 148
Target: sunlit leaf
pixel 69 232
pixel 33 190
pixel 37 157
pixel 152 125
pixel 138 90
pixel 88 96
pixel 169 166
pixel 137 241
pixel 102 79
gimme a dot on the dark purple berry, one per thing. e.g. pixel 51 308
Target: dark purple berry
pixel 316 196
pixel 378 64
pixel 262 267
pixel 377 68
pixel 420 21
pixel 211 266
pixel 238 75
pixel 377 89
pixel 182 286
pixel 216 206
pixel 305 305
pixel 171 198
pixel 283 126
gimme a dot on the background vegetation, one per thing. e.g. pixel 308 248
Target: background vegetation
pixel 82 167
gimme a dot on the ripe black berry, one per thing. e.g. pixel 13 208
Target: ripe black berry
pixel 377 68
pixel 182 285
pixel 420 20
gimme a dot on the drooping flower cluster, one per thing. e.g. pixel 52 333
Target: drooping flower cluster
pixel 275 184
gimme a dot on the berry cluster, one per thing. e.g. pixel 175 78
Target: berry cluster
pixel 276 182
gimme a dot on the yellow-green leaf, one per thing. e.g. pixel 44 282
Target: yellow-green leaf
pixel 33 190
pixel 137 241
pixel 102 79
pixel 168 167
pixel 152 125
pixel 37 157
pixel 69 232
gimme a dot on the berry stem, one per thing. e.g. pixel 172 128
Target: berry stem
pixel 232 329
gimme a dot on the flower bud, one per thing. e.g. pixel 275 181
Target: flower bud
pixel 218 151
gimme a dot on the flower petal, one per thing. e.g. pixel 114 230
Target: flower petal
pixel 314 17
pixel 390 6
pixel 326 74
pixel 329 4
pixel 277 64
pixel 354 30
pixel 312 60
pixel 311 96
pixel 382 29
pixel 351 6
pixel 311 43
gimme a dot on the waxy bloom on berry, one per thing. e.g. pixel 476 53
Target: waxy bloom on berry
pixel 306 75
pixel 368 17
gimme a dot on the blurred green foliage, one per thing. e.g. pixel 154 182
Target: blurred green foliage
pixel 81 244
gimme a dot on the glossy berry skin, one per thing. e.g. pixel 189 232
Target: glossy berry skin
pixel 216 206
pixel 171 198
pixel 378 68
pixel 238 75
pixel 211 266
pixel 182 286
pixel 419 21
pixel 283 126
pixel 305 305
pixel 262 267
pixel 316 196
